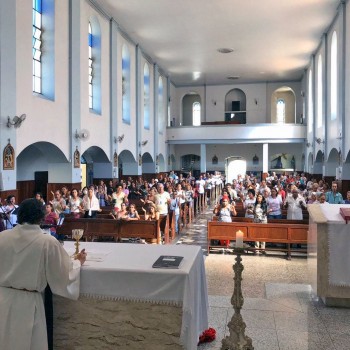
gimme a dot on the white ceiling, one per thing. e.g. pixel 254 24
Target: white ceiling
pixel 272 39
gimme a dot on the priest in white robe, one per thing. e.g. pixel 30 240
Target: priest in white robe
pixel 30 260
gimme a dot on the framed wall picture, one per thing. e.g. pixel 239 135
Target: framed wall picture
pixel 77 158
pixel 9 157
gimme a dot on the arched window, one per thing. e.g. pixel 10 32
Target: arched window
pixel 160 106
pixel 319 92
pixel 196 113
pixel 146 97
pixel 126 84
pixel 280 110
pixel 90 69
pixel 94 56
pixel 310 116
pixel 37 41
pixel 334 76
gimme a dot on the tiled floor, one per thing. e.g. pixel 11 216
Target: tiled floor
pixel 279 309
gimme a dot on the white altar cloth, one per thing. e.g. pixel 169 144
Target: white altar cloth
pixel 125 273
pixel 339 245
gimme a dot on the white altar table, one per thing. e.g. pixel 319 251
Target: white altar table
pixel 328 257
pixel 123 273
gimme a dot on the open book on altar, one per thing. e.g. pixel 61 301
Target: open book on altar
pixel 168 262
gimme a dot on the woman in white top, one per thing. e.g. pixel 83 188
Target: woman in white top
pixel 119 197
pixel 75 202
pixel 274 205
pixel 91 204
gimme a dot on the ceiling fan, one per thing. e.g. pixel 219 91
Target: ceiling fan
pixel 16 121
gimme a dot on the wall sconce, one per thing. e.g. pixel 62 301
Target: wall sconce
pixel 319 140
pixel 82 135
pixel 308 144
pixel 119 139
pixel 302 93
pixel 213 102
pixel 143 143
pixel 16 121
pixel 256 101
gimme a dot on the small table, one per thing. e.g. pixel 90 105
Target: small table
pixel 123 273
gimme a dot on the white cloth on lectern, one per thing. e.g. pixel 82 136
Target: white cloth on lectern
pixel 339 257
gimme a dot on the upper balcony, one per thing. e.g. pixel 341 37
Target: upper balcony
pixel 238 133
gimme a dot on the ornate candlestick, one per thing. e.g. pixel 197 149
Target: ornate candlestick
pixel 237 340
pixel 77 234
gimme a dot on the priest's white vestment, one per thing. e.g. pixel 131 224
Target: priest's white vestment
pixel 29 259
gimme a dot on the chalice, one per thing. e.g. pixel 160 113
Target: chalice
pixel 77 234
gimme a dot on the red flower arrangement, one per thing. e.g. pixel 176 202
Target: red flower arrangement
pixel 207 336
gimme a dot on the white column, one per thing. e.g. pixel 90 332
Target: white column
pixel 8 95
pixel 203 158
pixel 265 157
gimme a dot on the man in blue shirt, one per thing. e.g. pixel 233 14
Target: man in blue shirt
pixel 334 197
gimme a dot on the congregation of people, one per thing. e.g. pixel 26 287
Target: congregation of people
pixel 186 195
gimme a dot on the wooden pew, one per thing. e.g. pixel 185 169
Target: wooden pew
pixel 144 229
pixel 287 233
pixel 116 229
pixel 272 221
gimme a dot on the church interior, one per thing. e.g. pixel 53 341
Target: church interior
pixel 96 90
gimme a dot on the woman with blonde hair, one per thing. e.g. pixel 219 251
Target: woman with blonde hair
pixel 152 213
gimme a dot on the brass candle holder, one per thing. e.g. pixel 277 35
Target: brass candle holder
pixel 237 340
pixel 76 235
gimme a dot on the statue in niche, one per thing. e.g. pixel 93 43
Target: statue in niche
pixel 9 158
pixel 292 163
pixel 76 158
pixel 115 159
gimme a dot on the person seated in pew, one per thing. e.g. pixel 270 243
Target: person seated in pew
pixel 132 214
pixel 151 213
pixel 347 200
pixel 322 199
pixel 119 214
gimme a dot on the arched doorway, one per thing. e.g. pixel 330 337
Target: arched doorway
pixel 148 165
pixel 95 165
pixel 318 164
pixel 332 163
pixel 39 164
pixel 127 164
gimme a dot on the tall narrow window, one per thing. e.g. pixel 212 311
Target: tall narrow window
pixel 319 92
pixel 90 40
pixel 196 113
pixel 334 76
pixel 160 106
pixel 126 84
pixel 280 110
pixel 37 41
pixel 146 96
pixel 310 113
